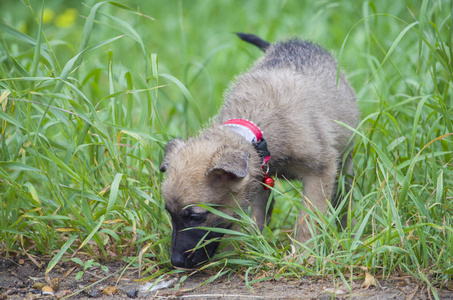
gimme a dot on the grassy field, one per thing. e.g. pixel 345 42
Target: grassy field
pixel 90 93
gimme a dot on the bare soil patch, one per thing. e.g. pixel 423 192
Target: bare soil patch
pixel 20 279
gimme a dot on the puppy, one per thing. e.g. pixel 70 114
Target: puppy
pixel 278 120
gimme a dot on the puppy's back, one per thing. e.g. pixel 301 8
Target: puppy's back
pixel 303 56
pixel 292 94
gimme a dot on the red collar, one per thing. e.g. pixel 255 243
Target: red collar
pixel 254 135
pixel 251 133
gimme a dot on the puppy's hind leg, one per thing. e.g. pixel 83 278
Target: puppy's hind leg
pixel 317 191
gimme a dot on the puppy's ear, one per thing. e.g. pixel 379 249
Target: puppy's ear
pixel 171 149
pixel 228 166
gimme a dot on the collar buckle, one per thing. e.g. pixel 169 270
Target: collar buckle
pixel 261 148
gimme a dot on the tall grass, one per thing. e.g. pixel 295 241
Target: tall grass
pixel 86 109
pixel 78 158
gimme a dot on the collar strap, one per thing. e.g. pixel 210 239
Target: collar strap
pixel 251 133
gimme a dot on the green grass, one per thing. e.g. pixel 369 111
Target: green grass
pixel 86 110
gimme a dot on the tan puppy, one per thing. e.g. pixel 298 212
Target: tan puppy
pixel 289 99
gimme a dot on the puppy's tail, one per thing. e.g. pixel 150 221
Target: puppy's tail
pixel 253 39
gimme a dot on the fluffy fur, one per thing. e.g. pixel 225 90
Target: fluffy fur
pixel 291 93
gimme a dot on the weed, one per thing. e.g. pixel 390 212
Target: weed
pixel 87 265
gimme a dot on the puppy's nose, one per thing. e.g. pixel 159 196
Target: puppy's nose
pixel 178 260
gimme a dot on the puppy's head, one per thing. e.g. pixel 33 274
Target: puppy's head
pixel 201 171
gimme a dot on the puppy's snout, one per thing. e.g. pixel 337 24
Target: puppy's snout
pixel 178 260
pixel 185 252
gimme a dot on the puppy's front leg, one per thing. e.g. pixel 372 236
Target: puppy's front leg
pixel 317 190
pixel 259 206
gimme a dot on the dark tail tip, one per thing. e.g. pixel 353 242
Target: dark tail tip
pixel 253 39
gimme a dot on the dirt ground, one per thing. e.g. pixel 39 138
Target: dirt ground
pixel 22 279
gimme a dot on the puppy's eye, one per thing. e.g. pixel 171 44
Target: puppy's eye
pixel 196 217
pixel 193 217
